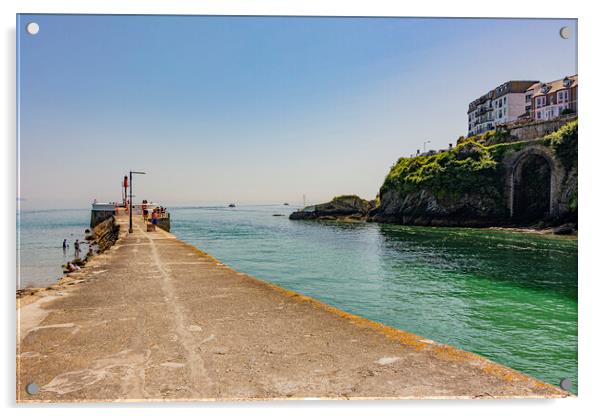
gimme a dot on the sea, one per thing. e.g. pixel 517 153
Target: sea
pixel 509 296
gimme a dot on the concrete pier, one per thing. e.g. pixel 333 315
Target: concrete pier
pixel 154 318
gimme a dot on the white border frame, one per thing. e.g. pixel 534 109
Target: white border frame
pixel 591 148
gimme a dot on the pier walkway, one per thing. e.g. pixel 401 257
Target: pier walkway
pixel 153 318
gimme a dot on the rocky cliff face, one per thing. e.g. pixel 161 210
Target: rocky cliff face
pixel 350 207
pixel 424 208
pixel 477 185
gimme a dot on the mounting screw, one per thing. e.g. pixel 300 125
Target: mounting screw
pixel 565 32
pixel 32 388
pixel 32 28
pixel 565 384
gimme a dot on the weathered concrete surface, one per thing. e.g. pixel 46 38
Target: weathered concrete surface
pixel 155 319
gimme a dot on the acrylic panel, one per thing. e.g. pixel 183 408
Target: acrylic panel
pixel 243 208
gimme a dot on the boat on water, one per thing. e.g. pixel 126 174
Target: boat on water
pixel 231 206
pixel 286 203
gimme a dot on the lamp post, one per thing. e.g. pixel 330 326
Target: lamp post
pixel 131 230
pixel 423 147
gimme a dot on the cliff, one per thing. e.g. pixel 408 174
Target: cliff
pixel 482 184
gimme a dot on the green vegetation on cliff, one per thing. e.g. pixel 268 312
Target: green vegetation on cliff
pixel 472 167
pixel 467 167
pixel 351 197
pixel 564 143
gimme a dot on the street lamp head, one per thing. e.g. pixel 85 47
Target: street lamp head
pixel 138 173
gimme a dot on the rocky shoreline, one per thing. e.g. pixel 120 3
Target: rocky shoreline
pixel 349 208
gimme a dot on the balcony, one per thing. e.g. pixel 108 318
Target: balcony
pixel 483 110
pixel 484 120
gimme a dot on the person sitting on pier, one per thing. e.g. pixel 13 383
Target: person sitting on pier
pixel 72 267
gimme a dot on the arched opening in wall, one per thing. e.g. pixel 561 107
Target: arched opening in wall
pixel 532 185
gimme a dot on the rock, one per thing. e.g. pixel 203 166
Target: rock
pixel 424 208
pixel 356 217
pixel 351 206
pixel 565 229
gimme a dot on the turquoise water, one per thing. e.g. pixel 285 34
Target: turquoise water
pixel 511 297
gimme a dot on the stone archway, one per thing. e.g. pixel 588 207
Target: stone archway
pixel 533 182
pixel 531 197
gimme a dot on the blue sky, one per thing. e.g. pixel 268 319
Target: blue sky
pixel 254 109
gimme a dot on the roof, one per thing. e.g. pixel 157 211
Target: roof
pixel 553 86
pixel 507 87
pixel 513 87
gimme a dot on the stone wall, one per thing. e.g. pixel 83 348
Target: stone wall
pixel 106 233
pixel 96 217
pixel 164 223
pixel 537 129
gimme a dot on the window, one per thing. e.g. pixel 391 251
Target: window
pixel 562 96
pixel 499 114
pixel 504 100
pixel 540 102
pixel 538 115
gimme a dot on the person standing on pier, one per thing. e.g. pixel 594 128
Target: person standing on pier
pixel 77 248
pixel 144 210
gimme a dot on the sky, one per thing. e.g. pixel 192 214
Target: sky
pixel 254 110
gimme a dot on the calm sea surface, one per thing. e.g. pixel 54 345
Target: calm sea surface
pixel 41 240
pixel 511 297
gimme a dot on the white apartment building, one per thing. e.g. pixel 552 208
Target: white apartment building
pixel 499 106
